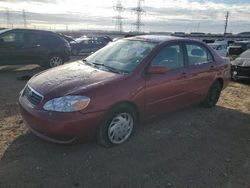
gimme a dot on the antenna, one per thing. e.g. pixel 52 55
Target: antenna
pixel 7 18
pixel 226 22
pixel 138 11
pixel 119 9
pixel 24 19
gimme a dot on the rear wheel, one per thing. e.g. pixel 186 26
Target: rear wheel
pixel 55 60
pixel 118 126
pixel 213 95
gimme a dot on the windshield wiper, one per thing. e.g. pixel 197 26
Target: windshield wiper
pixel 112 69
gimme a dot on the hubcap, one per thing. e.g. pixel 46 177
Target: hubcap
pixel 120 128
pixel 55 61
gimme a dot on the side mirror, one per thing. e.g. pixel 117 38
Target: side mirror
pixel 157 69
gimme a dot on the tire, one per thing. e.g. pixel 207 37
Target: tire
pixel 213 95
pixel 55 60
pixel 118 126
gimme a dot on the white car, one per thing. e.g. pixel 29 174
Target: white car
pixel 221 49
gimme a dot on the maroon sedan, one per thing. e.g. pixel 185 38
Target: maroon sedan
pixel 129 81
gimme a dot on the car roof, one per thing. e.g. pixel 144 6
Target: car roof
pixel 30 30
pixel 159 38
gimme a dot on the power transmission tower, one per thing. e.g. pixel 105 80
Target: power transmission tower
pixel 24 19
pixel 139 11
pixel 8 24
pixel 119 9
pixel 226 22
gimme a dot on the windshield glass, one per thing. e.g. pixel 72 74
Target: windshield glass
pixel 4 30
pixel 122 55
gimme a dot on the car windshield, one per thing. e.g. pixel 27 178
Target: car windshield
pixel 123 55
pixel 4 30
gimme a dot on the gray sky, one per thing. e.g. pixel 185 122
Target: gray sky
pixel 160 15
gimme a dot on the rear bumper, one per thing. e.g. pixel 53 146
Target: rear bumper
pixel 59 127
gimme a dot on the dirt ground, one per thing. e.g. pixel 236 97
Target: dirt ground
pixel 190 148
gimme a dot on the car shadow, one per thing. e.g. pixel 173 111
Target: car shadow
pixel 193 147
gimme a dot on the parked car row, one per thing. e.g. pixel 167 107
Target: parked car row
pixel 46 48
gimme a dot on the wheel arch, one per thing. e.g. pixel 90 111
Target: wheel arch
pixel 128 103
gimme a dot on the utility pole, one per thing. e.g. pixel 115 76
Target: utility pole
pixel 226 22
pixel 8 25
pixel 138 11
pixel 119 9
pixel 24 19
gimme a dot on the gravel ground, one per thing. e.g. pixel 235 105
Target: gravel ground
pixel 189 148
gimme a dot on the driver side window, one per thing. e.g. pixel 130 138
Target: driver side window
pixel 170 56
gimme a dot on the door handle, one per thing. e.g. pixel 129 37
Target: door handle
pixel 212 67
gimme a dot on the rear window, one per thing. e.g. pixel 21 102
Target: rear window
pixel 198 54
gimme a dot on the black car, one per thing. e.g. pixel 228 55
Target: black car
pixel 26 46
pixel 88 45
pixel 237 48
pixel 240 67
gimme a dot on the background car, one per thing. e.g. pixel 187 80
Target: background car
pixel 237 48
pixel 127 81
pixel 240 67
pixel 221 49
pixel 25 46
pixel 87 45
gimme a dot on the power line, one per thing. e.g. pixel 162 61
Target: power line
pixel 24 19
pixel 138 11
pixel 8 24
pixel 119 9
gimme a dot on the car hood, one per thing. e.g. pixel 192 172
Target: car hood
pixel 72 78
pixel 243 62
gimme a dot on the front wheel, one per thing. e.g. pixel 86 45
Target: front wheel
pixel 117 127
pixel 213 95
pixel 55 61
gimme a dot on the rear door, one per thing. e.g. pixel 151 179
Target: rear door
pixel 165 92
pixel 201 70
pixel 35 49
pixel 11 46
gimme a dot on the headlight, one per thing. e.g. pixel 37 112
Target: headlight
pixel 69 103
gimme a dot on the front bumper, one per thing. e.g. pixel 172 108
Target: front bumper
pixel 59 127
pixel 240 72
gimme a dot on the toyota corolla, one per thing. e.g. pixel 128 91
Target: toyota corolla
pixel 106 95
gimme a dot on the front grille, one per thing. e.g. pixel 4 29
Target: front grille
pixel 33 97
pixel 242 71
